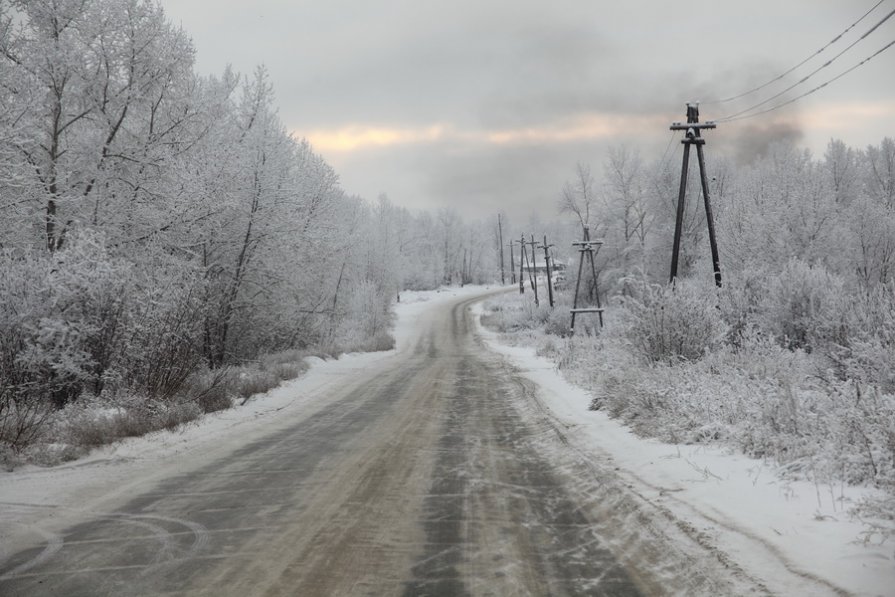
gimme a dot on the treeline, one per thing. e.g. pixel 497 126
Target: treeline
pixel 835 212
pixel 156 224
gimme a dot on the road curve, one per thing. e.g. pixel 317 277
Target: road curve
pixel 437 473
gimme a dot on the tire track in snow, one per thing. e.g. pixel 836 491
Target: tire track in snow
pixel 164 555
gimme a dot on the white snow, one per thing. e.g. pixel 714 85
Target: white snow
pixel 765 524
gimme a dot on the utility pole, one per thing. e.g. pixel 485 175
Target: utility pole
pixel 533 268
pixel 590 248
pixel 512 265
pixel 546 248
pixel 693 136
pixel 522 257
pixel 503 279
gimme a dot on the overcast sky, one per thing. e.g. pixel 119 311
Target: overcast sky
pixel 487 105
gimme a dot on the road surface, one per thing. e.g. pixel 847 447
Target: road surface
pixel 437 472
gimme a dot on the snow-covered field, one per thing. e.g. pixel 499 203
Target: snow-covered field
pixel 736 505
pixel 769 526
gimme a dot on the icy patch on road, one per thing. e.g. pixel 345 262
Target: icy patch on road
pixel 793 536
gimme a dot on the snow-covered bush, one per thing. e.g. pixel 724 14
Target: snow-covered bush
pixel 61 319
pixel 286 365
pixel 365 326
pixel 804 307
pixel 674 323
pixel 741 298
pixel 513 312
pixel 22 407
pixel 868 354
pixel 559 321
pixel 80 320
pixel 164 327
pixel 61 324
pixel 22 418
pixel 97 421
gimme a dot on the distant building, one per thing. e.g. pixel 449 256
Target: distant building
pixel 540 269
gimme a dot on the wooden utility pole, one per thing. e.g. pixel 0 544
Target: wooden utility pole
pixel 693 136
pixel 512 265
pixel 533 268
pixel 590 248
pixel 546 248
pixel 522 264
pixel 503 278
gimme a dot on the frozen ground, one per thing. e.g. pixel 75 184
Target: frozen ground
pixel 779 531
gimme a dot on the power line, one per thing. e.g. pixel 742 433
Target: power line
pixel 807 93
pixel 811 74
pixel 667 147
pixel 821 50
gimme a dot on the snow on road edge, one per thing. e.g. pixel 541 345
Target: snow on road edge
pixel 764 523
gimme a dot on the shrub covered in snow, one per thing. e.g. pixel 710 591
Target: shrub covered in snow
pixel 673 323
pixel 803 306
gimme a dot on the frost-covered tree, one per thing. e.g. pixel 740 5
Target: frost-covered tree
pixel 100 97
pixel 579 196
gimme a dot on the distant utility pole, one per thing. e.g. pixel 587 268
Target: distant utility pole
pixel 512 265
pixel 533 268
pixel 522 258
pixel 693 136
pixel 503 278
pixel 546 248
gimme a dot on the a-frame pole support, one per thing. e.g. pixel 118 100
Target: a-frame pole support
pixel 533 269
pixel 588 247
pixel 693 136
pixel 546 248
pixel 512 264
pixel 503 277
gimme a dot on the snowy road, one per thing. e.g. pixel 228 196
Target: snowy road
pixel 436 472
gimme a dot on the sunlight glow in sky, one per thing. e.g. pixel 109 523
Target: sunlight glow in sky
pixel 357 138
pixel 360 137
